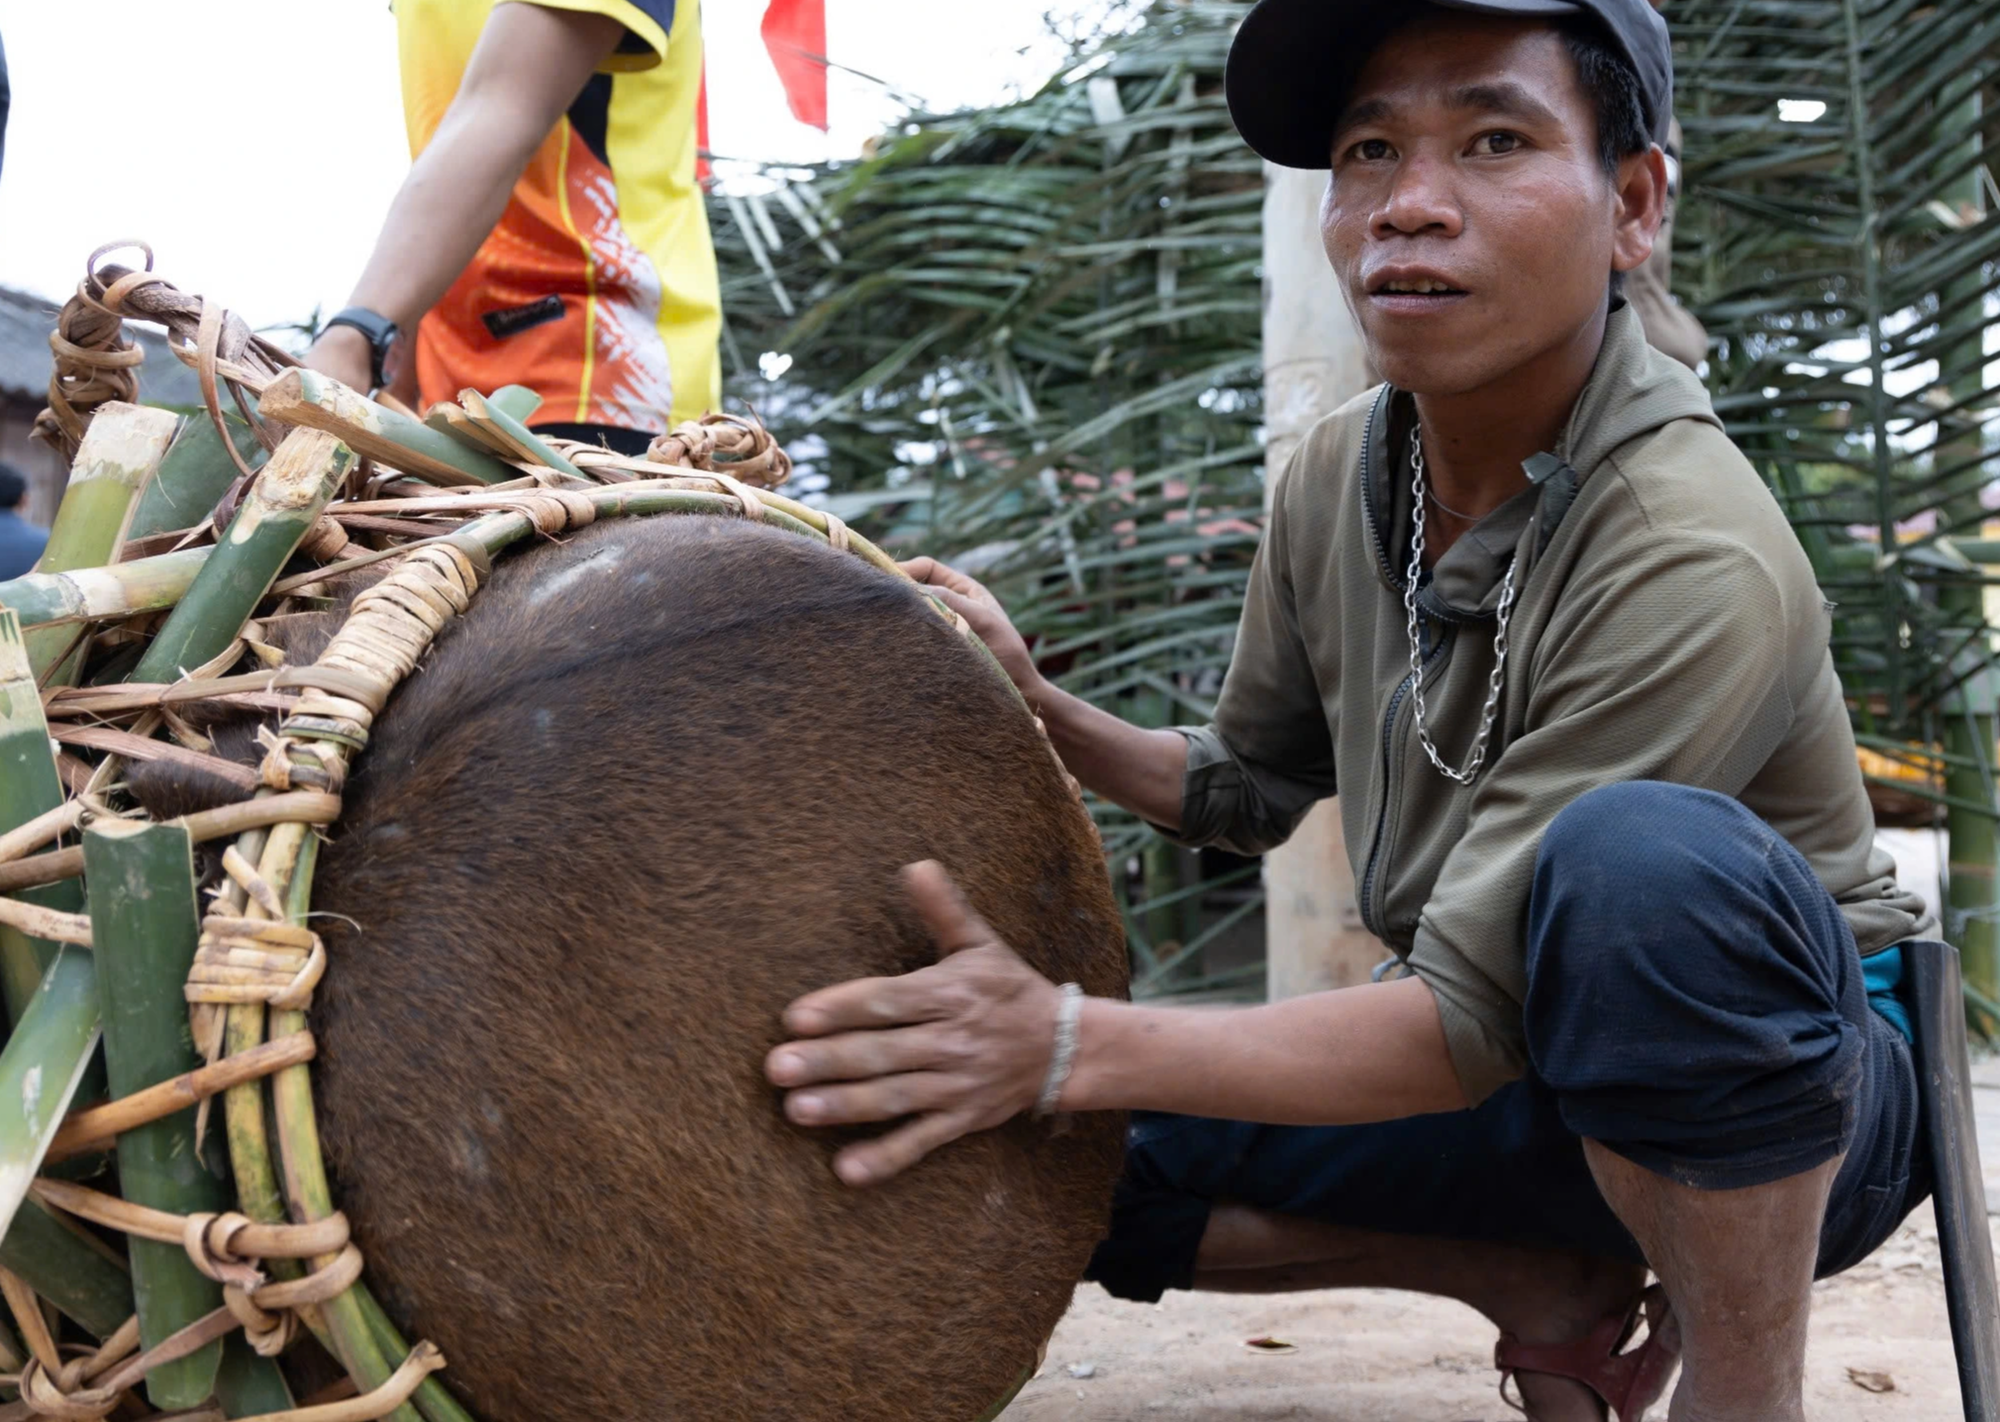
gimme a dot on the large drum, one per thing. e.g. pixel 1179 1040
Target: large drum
pixel 607 761
pixel 656 783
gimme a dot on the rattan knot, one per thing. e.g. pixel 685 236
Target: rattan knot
pixel 747 450
pixel 210 1243
pixel 269 1334
pixel 688 445
pixel 94 363
pixel 47 1396
pixel 730 444
pixel 836 534
pixel 329 1281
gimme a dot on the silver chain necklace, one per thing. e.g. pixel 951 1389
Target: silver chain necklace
pixel 1477 758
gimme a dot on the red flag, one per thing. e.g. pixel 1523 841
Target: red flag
pixel 702 171
pixel 795 34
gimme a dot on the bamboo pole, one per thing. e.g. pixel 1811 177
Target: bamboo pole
pixel 99 594
pixel 280 506
pixel 118 457
pixel 1313 362
pixel 195 474
pixel 145 924
pixel 29 789
pixel 314 401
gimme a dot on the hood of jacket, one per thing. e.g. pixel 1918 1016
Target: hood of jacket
pixel 1628 395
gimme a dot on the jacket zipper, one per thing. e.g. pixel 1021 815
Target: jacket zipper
pixel 1380 843
pixel 1382 818
pixel 1366 895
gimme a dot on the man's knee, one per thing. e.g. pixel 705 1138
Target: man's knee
pixel 1691 984
pixel 1627 874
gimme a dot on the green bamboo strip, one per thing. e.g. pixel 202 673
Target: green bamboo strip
pixel 511 431
pixel 40 1067
pixel 314 401
pixel 280 506
pixel 118 456
pixel 72 1271
pixel 97 594
pixel 248 1385
pixel 515 401
pixel 440 419
pixel 29 787
pixel 306 1187
pixel 193 477
pixel 59 989
pixel 144 925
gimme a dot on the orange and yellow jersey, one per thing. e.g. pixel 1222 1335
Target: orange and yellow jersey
pixel 597 288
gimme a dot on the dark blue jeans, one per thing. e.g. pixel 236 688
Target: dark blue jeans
pixel 1695 1003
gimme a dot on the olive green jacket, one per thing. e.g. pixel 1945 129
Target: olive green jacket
pixel 1667 627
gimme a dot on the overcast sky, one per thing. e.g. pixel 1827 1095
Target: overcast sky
pixel 256 144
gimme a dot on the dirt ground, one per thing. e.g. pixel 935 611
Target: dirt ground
pixel 1377 1356
pixel 1369 1355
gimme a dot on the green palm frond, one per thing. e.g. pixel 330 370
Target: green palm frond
pixel 1845 266
pixel 1837 236
pixel 1028 339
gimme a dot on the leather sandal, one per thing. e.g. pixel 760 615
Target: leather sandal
pixel 1627 1380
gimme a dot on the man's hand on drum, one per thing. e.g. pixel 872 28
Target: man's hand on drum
pixel 958 1047
pixel 968 597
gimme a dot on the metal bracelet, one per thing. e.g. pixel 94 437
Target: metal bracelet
pixel 1064 1057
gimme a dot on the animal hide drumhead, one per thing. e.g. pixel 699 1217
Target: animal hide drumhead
pixel 654 785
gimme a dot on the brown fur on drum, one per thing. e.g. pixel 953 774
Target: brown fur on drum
pixel 654 785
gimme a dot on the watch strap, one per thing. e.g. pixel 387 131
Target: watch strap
pixel 380 332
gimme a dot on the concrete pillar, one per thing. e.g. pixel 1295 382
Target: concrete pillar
pixel 1313 363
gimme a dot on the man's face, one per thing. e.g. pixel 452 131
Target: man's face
pixel 1468 219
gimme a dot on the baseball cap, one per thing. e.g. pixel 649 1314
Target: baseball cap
pixel 1294 62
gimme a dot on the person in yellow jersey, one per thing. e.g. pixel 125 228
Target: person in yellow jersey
pixel 551 232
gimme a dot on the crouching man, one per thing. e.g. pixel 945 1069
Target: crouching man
pixel 1536 619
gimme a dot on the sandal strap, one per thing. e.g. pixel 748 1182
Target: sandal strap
pixel 1626 1382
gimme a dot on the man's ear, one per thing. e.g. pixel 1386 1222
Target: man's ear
pixel 1642 207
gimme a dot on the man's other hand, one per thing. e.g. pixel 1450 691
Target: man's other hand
pixel 969 598
pixel 959 1047
pixel 343 353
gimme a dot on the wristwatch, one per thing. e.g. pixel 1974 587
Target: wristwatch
pixel 385 341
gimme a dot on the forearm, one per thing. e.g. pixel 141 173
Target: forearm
pixel 1370 1053
pixel 1126 764
pixel 528 67
pixel 455 193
